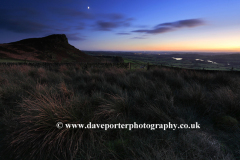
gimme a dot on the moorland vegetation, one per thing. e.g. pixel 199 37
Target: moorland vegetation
pixel 34 99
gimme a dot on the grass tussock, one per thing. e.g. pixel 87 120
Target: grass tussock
pixel 33 100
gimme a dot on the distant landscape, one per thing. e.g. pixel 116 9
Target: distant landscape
pixel 46 80
pixel 119 80
pixel 208 61
pixel 55 48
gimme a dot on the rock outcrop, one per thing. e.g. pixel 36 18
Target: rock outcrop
pixel 52 48
pixel 51 39
pixel 56 38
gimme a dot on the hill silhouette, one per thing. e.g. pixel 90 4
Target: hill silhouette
pixel 52 48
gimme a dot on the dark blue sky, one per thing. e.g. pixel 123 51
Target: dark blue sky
pixel 162 25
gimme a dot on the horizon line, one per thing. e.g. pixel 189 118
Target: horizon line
pixel 163 51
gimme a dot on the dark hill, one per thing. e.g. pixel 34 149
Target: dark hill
pixel 53 48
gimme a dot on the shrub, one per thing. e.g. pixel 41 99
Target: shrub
pixel 36 136
pixel 226 122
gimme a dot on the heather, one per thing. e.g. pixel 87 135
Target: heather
pixel 34 99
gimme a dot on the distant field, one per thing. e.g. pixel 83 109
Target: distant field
pixel 190 61
pixel 136 64
pixel 209 62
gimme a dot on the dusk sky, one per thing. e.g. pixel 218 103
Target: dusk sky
pixel 126 25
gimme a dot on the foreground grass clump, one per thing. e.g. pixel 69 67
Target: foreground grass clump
pixel 33 100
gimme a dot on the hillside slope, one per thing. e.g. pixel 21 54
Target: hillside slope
pixel 52 48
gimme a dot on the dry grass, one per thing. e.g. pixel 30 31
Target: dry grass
pixel 33 100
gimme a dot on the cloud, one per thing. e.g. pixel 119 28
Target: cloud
pixel 74 37
pixel 123 33
pixel 141 26
pixel 22 26
pixel 138 38
pixel 72 13
pixel 172 26
pixel 157 30
pixel 63 30
pixel 19 21
pixel 16 21
pixel 108 25
pixel 182 23
pixel 80 26
pixel 115 16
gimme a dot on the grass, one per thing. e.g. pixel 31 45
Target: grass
pixel 8 60
pixel 33 100
pixel 136 64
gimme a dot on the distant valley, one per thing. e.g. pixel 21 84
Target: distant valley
pixel 210 61
pixel 55 48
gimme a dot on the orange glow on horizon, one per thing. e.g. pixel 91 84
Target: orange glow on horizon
pixel 209 42
pixel 197 45
pixel 192 49
pixel 182 48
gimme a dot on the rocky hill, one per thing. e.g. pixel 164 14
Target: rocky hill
pixel 53 48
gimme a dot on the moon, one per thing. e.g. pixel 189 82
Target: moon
pixel 88 7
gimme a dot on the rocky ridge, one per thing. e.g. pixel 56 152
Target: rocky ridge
pixel 52 48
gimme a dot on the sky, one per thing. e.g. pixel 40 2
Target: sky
pixel 127 25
